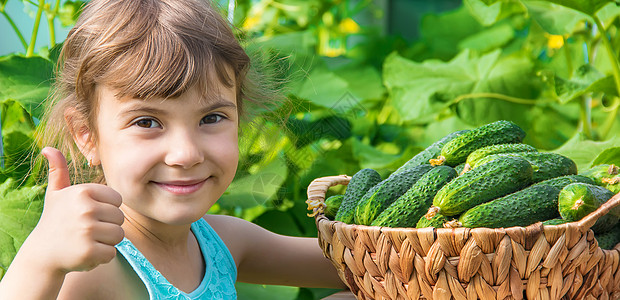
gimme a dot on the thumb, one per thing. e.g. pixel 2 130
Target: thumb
pixel 58 177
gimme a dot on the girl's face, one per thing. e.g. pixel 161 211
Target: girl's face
pixel 169 159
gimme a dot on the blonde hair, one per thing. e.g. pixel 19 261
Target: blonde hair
pixel 143 49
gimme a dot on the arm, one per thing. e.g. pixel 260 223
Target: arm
pixel 77 231
pixel 28 278
pixel 269 258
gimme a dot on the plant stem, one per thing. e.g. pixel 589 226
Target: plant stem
pixel 584 115
pixel 611 118
pixel 51 16
pixel 50 25
pixel 615 66
pixel 35 29
pixel 496 96
pixel 569 58
pixel 19 34
pixel 28 119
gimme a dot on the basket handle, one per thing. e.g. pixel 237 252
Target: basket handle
pixel 588 221
pixel 317 190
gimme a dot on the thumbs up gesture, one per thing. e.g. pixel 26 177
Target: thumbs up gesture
pixel 80 224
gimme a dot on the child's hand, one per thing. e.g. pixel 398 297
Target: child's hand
pixel 80 224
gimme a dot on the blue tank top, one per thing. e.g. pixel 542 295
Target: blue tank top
pixel 220 270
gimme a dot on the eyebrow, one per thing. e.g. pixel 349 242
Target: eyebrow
pixel 152 110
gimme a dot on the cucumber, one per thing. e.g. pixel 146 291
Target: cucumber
pixel 359 184
pixel 460 169
pixel 456 151
pixel 488 181
pixel 431 151
pixel 436 221
pixel 331 206
pixel 546 165
pixel 577 200
pixel 562 181
pixel 529 205
pixel 380 196
pixel 413 204
pixel 605 175
pixel 474 157
pixel 556 221
pixel 610 239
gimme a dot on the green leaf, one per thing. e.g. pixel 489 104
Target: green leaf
pixel 300 42
pixel 485 14
pixel 489 39
pixel 20 210
pixel 69 12
pixel 549 127
pixel 265 292
pixel 488 13
pixel 586 79
pixel 16 118
pixel 364 82
pixel 589 7
pixel 323 87
pixel 17 152
pixel 421 91
pixel 608 12
pixel 370 157
pixel 26 80
pixel 583 151
pixel 281 222
pixel 554 19
pixel 258 188
pixel 442 33
pixel 608 156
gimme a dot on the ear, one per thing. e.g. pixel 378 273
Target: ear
pixel 82 135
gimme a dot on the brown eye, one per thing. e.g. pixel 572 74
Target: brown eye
pixel 211 119
pixel 147 123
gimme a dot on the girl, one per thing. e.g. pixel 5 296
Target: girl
pixel 150 95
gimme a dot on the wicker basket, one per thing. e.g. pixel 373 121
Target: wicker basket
pixel 533 262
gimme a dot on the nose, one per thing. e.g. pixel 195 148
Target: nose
pixel 183 150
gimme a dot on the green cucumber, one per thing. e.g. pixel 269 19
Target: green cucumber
pixel 521 208
pixel 431 151
pixel 546 165
pixel 332 204
pixel 380 196
pixel 413 204
pixel 562 181
pixel 474 157
pixel 456 151
pixel 488 181
pixel 460 169
pixel 436 221
pixel 605 175
pixel 360 183
pixel 577 200
pixel 556 221
pixel 609 240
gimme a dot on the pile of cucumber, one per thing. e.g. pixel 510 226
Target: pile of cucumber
pixel 484 177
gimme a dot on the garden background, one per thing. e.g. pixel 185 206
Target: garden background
pixel 369 83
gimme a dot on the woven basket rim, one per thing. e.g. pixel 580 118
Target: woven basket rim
pixel 434 263
pixel 328 181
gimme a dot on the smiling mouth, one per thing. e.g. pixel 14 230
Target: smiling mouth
pixel 181 187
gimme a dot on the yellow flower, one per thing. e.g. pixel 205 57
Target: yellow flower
pixel 349 26
pixel 251 21
pixel 555 41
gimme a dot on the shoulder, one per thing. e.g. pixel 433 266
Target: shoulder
pixel 114 280
pixel 240 236
pixel 233 232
